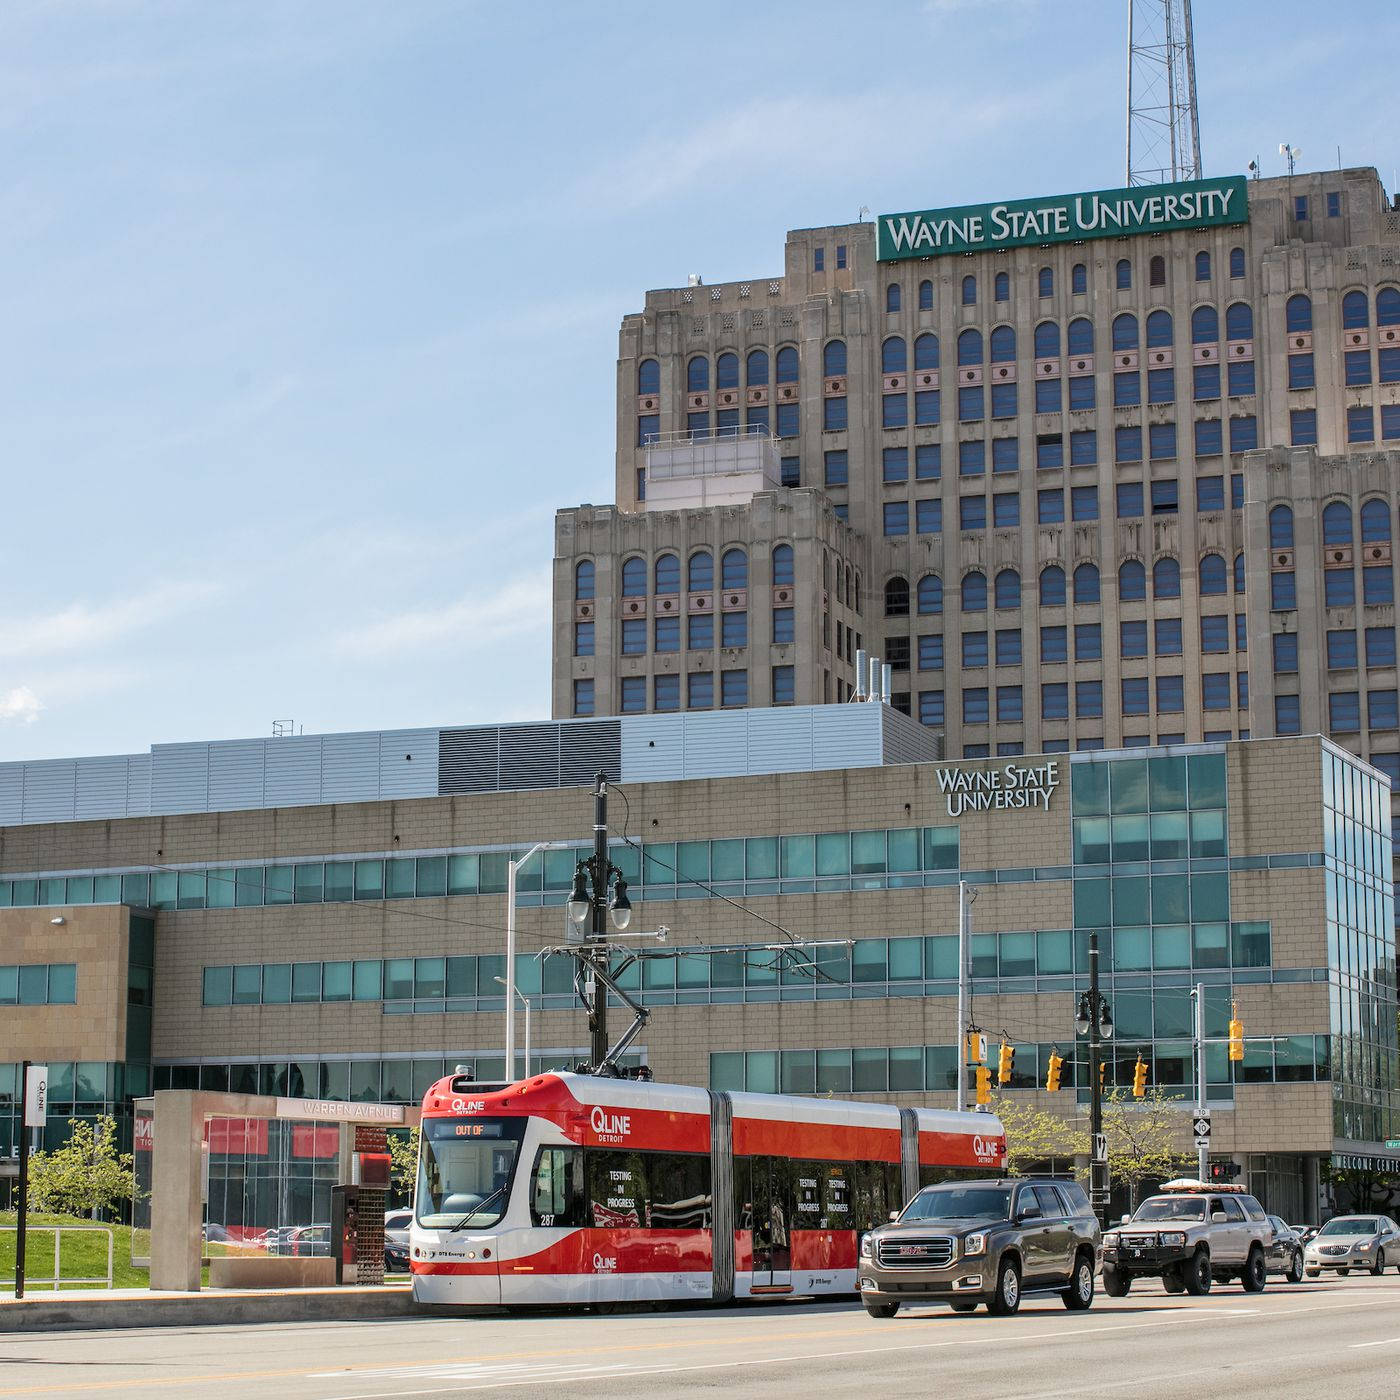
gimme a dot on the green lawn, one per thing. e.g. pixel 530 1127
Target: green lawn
pixel 83 1256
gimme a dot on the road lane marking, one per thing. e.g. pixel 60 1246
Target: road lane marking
pixel 1384 1342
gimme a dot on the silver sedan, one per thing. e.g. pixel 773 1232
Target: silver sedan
pixel 1353 1242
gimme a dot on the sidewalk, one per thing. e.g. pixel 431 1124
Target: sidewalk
pixel 43 1310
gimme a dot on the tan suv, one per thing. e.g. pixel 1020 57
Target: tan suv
pixel 970 1242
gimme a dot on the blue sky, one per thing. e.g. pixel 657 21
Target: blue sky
pixel 310 306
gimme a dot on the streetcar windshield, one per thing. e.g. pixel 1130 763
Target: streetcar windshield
pixel 960 1203
pixel 466 1170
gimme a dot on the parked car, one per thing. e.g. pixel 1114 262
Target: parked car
pixel 1350 1242
pixel 992 1242
pixel 1286 1251
pixel 1304 1232
pixel 395 1258
pixel 309 1239
pixel 396 1223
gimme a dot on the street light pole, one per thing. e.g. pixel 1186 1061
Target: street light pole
pixel 1202 1150
pixel 512 868
pixel 965 897
pixel 1094 1019
pixel 525 1002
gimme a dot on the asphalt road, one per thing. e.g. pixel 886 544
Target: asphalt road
pixel 1340 1337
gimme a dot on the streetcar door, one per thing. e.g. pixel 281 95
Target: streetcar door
pixel 772 1225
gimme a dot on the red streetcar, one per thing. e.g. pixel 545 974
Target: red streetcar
pixel 567 1188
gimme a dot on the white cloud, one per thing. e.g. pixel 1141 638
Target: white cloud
pixel 85 626
pixel 20 705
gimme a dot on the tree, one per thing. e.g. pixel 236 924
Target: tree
pixel 1035 1135
pixel 403 1150
pixel 86 1174
pixel 1147 1137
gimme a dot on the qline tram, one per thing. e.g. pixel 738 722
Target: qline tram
pixel 567 1188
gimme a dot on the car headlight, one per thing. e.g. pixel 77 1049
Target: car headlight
pixel 866 1249
pixel 1363 1246
pixel 1174 1238
pixel 1111 1238
pixel 974 1244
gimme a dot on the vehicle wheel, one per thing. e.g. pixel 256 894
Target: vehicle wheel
pixel 1313 1273
pixel 882 1309
pixel 1080 1293
pixel 1256 1272
pixel 964 1307
pixel 1379 1266
pixel 1295 1267
pixel 1195 1274
pixel 1116 1285
pixel 1342 1273
pixel 1171 1280
pixel 1007 1297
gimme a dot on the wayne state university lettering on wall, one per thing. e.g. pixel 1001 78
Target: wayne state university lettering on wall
pixel 1005 786
pixel 1066 218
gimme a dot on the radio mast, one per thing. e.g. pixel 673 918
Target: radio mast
pixel 1164 142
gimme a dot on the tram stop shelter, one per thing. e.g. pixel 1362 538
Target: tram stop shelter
pixel 170 1135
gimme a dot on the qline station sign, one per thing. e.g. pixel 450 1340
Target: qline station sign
pixel 1067 218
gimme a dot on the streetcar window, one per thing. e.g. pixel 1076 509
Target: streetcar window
pixel 680 1191
pixel 556 1192
pixel 617 1189
pixel 466 1170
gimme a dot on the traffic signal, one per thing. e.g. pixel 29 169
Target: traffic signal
pixel 1236 1033
pixel 1052 1074
pixel 1006 1063
pixel 984 1084
pixel 976 1047
pixel 1103 1072
pixel 1140 1078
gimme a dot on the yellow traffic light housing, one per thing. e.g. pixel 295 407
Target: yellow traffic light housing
pixel 1006 1063
pixel 1103 1073
pixel 1140 1078
pixel 984 1084
pixel 1236 1033
pixel 1052 1073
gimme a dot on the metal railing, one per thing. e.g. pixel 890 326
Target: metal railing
pixel 58 1279
pixel 685 436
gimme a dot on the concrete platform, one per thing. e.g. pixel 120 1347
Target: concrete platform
pixel 98 1309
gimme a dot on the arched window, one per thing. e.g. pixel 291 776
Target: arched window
pixel 1159 328
pixel 1052 586
pixel 930 595
pixel 1125 331
pixel 1205 325
pixel 697 374
pixel 856 594
pixel 1132 582
pixel 894 359
pixel 1355 310
pixel 925 295
pixel 1008 589
pixel 634 577
pixel 1047 340
pixel 1236 262
pixel 1079 279
pixel 926 352
pixel 584 576
pixel 1388 307
pixel 1081 336
pixel 727 371
pixel 1086 584
pixel 974 592
pixel 756 371
pixel 969 291
pixel 834 358
pixel 1166 579
pixel 1212 575
pixel 1239 321
pixel 1203 266
pixel 1123 275
pixel 1336 523
pixel 1045 282
pixel 1375 522
pixel 649 377
pixel 897 597
pixel 668 574
pixel 840 579
pixel 1001 285
pixel 1157 271
pixel 734 569
pixel 1239 573
pixel 892 297
pixel 1281 528
pixel 700 572
pixel 1298 313
pixel 970 347
pixel 1002 343
pixel 782 564
pixel 787 365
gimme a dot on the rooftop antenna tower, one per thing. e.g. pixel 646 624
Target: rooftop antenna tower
pixel 1164 142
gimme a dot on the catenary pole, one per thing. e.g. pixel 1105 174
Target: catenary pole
pixel 598 1012
pixel 1202 1153
pixel 22 1217
pixel 964 923
pixel 1097 1169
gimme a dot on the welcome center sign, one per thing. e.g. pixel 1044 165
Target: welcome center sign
pixel 1068 218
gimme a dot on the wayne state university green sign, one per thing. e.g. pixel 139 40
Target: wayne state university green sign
pixel 1067 218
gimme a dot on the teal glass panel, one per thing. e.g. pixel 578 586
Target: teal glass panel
pixel 364 1081
pixel 489 967
pixel 1169 836
pixel 1089 788
pixel 1132 949
pixel 369 879
pixel 1091 836
pixel 1128 785
pixel 1210 945
pixel 1208 834
pixel 1091 904
pixel 7 893
pixel 834 853
pixel 940 1067
pixel 558 867
pixel 26 892
pixel 693 860
pixel 278 885
pixel 761 856
pixel 63 984
pixel 218 986
pixel 1017 954
pixel 941 957
pixel 984 954
pixel 336 981
pixel 834 965
pixel 91 1082
pixel 247 984
pixel 869 960
pixel 530 876
pixel 870 1070
pixel 1130 837
pixel 1250 945
pixel 1210 896
pixel 431 876
pixel 1130 901
pixel 277 983
pixel 368 980
pixel 1053 951
pixel 628 859
pixel 79 889
pixel 659 975
pixel 659 863
pixel 1173 1012
pixel 906 959
pixel 220 888
pixel 400 879
pixel 52 891
pixel 1293 1058
pixel 190 890
pixel 335 1080
pixel 692 971
pixel 761 969
pixel 1166 784
pixel 1132 1015
pixel 339 881
pixel 1173 1064
pixel 1207 779
pixel 398 1081
pixel 308 883
pixel 461 976
pixel 247 887
pixel 833 1071
pixel 799 857
pixel 429 977
pixel 306 981
pixel 903 849
pixel 107 889
pixel 1170 903
pixel 761 1071
pixel 398 979
pixel 726 969
pixel 463 873
pixel 492 872
pixel 906 1069
pixel 726 861
pixel 1171 946
pixel 727 1070
pixel 940 848
pixel 165 889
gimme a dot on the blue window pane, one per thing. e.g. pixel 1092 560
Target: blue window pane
pixel 1054 700
pixel 834 415
pixel 1244 433
pixel 1161 441
pixel 1050 507
pixel 1081 391
pixel 1004 454
pixel 1209 441
pixel 1361 423
pixel 1170 695
pixel 1132 639
pixel 1210 495
pixel 1377 584
pixel 1008 644
pixel 1129 499
pixel 1215 690
pixel 1049 451
pixel 972 457
pixel 836 467
pixel 896 517
pixel 972 513
pixel 789 420
pixel 1006 509
pixel 927 462
pixel 1088 641
pixel 1215 633
pixel 970 404
pixel 895 411
pixel 1164 498
pixel 1344 712
pixel 1341 650
pixel 1127 444
pixel 1161 386
pixel 1380 646
pixel 894 462
pixel 634 694
pixel 1240 374
pixel 666 692
pixel 974 649
pixel 1285 653
pixel 1205 382
pixel 975 705
pixel 1084 503
pixel 1287 718
pixel 1300 371
pixel 1083 447
pixel 734 687
pixel 931 653
pixel 1339 588
pixel 1054 645
pixel 1303 427
pixel 1048 396
pixel 1088 699
pixel 1283 592
pixel 928 517
pixel 1004 400
pixel 1127 389
pixel 1135 695
pixel 930 707
pixel 926 407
